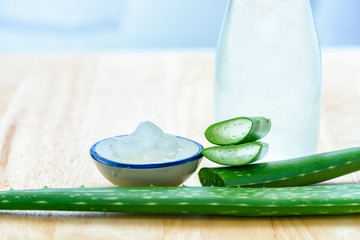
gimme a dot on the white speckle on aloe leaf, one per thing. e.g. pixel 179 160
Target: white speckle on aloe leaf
pixel 223 190
pixel 118 203
pixel 214 203
pixel 251 191
pixel 306 196
pixel 138 190
pixel 147 197
pixel 79 203
pixel 196 194
pixel 348 196
pixel 192 196
pixel 242 197
pixel 111 198
pixel 151 203
pixel 301 205
pixel 272 205
pixel 5 201
pixel 41 202
pixel 114 193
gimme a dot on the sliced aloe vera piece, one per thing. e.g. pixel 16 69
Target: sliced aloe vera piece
pixel 286 173
pixel 236 155
pixel 238 130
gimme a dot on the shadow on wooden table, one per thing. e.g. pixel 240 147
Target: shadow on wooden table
pixel 100 216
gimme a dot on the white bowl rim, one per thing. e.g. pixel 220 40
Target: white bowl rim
pixel 97 157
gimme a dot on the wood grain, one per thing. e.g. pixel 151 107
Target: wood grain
pixel 54 107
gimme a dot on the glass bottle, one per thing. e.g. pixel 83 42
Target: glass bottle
pixel 268 64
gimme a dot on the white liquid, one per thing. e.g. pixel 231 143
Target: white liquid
pixel 268 64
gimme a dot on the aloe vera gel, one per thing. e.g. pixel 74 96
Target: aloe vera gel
pixel 148 144
pixel 236 155
pixel 238 130
pixel 237 140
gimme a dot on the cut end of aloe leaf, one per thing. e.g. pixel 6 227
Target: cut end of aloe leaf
pixel 208 177
pixel 236 155
pixel 238 130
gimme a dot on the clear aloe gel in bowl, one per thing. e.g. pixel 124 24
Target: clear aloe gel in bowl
pixel 148 144
pixel 148 156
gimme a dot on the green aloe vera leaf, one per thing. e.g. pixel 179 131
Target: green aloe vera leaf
pixel 293 172
pixel 236 155
pixel 311 200
pixel 238 130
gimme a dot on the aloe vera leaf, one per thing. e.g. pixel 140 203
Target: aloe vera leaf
pixel 238 130
pixel 293 172
pixel 236 155
pixel 314 200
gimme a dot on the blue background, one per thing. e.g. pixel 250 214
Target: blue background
pixel 108 25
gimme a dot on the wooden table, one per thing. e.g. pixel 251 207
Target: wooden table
pixel 54 107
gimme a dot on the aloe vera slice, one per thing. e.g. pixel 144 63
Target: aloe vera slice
pixel 293 172
pixel 314 200
pixel 236 155
pixel 238 130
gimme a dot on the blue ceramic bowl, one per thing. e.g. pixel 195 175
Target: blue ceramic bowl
pixel 171 173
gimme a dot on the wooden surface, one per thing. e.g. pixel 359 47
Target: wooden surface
pixel 54 107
